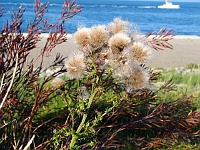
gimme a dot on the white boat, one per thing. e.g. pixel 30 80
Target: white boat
pixel 168 5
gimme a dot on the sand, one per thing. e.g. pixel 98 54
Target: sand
pixel 186 50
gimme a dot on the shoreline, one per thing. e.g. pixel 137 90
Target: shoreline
pixel 45 35
pixel 186 50
pixel 186 37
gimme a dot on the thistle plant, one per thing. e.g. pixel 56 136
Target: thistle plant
pixel 99 97
pixel 116 77
pixel 114 49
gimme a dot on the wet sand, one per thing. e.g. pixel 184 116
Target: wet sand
pixel 186 50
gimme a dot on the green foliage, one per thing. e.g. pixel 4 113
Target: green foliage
pixel 192 66
pixel 185 146
pixel 189 77
pixel 186 81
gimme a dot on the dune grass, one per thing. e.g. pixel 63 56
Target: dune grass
pixel 186 81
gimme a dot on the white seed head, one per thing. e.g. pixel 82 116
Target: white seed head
pixel 75 65
pixel 82 36
pixel 98 36
pixel 139 52
pixel 118 42
pixel 133 75
pixel 118 26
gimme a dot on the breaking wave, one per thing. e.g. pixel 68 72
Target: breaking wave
pixel 145 7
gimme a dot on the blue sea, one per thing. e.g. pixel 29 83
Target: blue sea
pixel 143 14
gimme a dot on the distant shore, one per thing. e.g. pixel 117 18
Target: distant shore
pixel 186 50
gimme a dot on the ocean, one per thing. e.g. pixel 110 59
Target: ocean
pixel 144 15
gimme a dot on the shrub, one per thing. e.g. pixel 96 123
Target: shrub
pixel 22 92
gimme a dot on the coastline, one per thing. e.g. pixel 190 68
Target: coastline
pixel 186 50
pixel 45 35
pixel 187 37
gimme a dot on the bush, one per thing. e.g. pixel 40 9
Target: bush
pixel 104 100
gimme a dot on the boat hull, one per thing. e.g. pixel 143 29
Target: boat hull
pixel 169 6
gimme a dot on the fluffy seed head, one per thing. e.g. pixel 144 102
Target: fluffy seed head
pixel 75 66
pixel 58 83
pixel 134 76
pixel 118 42
pixel 118 26
pixel 82 36
pixel 98 36
pixel 139 79
pixel 139 52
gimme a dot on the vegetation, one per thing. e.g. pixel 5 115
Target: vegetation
pixel 186 80
pixel 101 97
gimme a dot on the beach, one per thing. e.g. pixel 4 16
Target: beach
pixel 186 50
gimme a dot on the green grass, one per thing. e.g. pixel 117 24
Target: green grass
pixel 186 81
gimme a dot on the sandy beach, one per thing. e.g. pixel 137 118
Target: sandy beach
pixel 186 50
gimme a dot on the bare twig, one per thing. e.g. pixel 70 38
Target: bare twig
pixel 8 123
pixel 29 143
pixel 2 82
pixel 12 80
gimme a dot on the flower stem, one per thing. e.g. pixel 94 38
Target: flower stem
pixel 74 136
